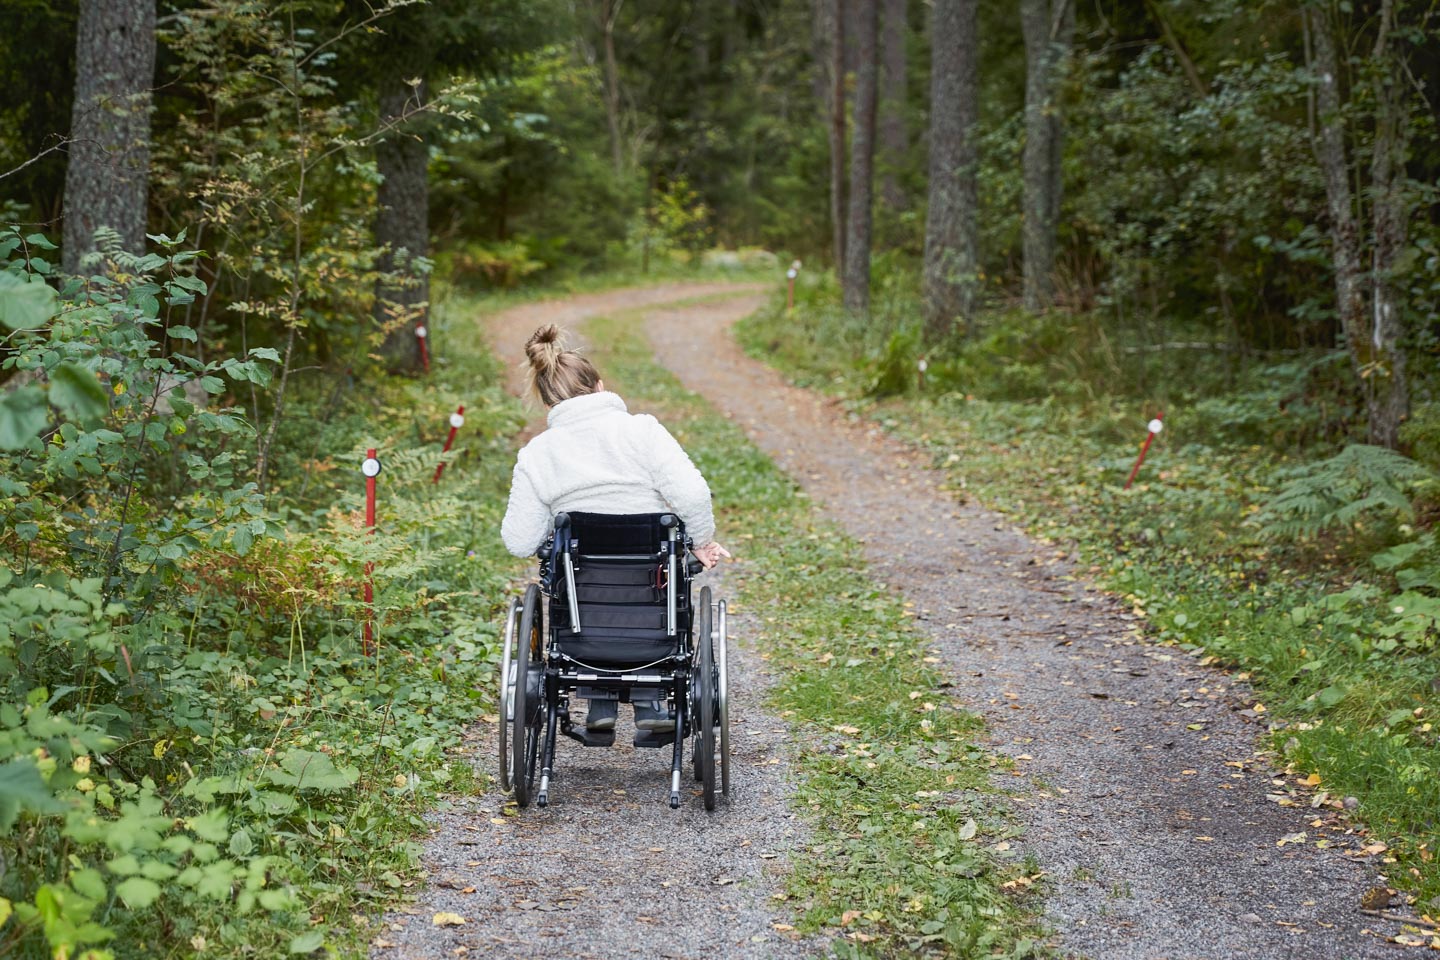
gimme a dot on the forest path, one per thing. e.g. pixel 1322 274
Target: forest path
pixel 1143 800
pixel 608 870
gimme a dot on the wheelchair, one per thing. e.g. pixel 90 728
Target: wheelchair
pixel 612 618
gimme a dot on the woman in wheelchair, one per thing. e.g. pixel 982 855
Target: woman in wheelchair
pixel 594 457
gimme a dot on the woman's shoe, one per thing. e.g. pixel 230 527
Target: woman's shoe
pixel 602 715
pixel 650 715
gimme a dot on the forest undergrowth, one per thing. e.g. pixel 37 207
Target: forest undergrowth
pixel 902 860
pixel 1258 536
pixel 197 756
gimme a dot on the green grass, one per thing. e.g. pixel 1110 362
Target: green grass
pixel 1186 545
pixel 902 860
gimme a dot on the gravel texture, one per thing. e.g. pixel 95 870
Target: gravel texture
pixel 608 870
pixel 1137 779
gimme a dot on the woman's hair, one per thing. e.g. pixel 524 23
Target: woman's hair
pixel 557 374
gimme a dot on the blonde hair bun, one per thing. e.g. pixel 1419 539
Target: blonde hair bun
pixel 557 374
pixel 545 347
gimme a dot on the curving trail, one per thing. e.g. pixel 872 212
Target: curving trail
pixel 1146 806
pixel 609 870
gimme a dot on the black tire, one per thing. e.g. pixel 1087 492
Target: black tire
pixel 697 682
pixel 525 728
pixel 507 683
pixel 705 721
pixel 722 703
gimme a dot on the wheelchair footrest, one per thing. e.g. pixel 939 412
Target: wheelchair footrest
pixel 652 739
pixel 592 738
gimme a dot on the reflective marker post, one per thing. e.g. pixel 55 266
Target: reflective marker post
pixel 457 420
pixel 371 469
pixel 423 336
pixel 1154 427
pixel 790 275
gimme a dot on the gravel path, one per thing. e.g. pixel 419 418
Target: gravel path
pixel 608 870
pixel 1138 782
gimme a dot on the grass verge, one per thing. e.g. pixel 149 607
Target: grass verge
pixel 902 861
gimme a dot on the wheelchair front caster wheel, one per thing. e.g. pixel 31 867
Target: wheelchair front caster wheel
pixel 674 801
pixel 542 800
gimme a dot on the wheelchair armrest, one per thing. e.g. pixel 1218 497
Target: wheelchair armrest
pixel 693 566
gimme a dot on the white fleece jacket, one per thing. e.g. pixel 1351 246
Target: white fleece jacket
pixel 596 457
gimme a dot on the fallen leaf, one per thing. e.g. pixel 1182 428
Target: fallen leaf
pixel 448 920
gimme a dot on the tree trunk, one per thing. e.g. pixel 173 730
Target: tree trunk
pixel 894 143
pixel 1389 401
pixel 1048 27
pixel 108 177
pixel 609 10
pixel 837 134
pixel 862 160
pixel 952 226
pixel 402 229
pixel 1372 330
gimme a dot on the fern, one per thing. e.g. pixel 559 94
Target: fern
pixel 1360 481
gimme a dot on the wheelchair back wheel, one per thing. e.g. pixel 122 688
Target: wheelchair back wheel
pixel 722 689
pixel 704 676
pixel 527 697
pixel 505 703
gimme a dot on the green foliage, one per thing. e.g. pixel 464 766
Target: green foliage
pixel 186 720
pixel 1358 482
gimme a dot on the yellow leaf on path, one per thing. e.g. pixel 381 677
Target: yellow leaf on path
pixel 848 729
pixel 1290 838
pixel 1311 781
pixel 448 920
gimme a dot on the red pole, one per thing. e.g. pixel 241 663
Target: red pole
pixel 371 469
pixel 790 275
pixel 1154 427
pixel 457 420
pixel 423 336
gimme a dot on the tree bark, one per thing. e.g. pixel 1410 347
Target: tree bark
pixel 837 134
pixel 1389 402
pixel 108 177
pixel 1048 27
pixel 609 10
pixel 1372 329
pixel 402 229
pixel 894 141
pixel 860 221
pixel 952 241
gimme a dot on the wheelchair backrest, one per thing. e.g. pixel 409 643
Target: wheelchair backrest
pixel 621 570
pixel 615 534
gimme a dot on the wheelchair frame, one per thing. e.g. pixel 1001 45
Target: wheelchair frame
pixel 538 676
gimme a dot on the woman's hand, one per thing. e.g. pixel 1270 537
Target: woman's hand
pixel 710 554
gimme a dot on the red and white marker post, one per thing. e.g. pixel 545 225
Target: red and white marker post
pixel 457 420
pixel 423 336
pixel 790 275
pixel 1153 427
pixel 370 468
